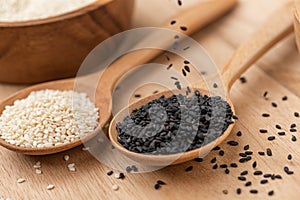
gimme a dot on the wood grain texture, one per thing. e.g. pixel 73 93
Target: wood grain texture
pixel 277 72
pixel 54 48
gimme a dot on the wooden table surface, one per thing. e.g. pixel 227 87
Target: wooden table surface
pixel 277 72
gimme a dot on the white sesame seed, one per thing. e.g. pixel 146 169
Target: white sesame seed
pixel 50 187
pixel 48 118
pixel 85 148
pixel 71 165
pixel 66 157
pixel 115 187
pixel 21 180
pixel 38 171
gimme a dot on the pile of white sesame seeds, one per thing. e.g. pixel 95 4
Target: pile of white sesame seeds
pixel 48 118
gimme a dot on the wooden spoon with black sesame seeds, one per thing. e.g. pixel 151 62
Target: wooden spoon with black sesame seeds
pixel 278 26
pixel 187 22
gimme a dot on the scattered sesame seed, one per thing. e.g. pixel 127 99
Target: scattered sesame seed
pixel 213 160
pixel 232 143
pixel 170 65
pixel 115 187
pixel 281 133
pixel 223 166
pixel 254 165
pixel 265 94
pixel 246 147
pixel 160 182
pixel 249 183
pixel 184 28
pixel 239 191
pixel 274 104
pixel 136 96
pixel 263 130
pixel 227 171
pixel 294 138
pixel 66 157
pixel 257 173
pixel 265 115
pixel 215 85
pixel 277 126
pixel 109 173
pixel 242 178
pixel 172 23
pixel 253 191
pixel 188 169
pixel 287 170
pixel 215 166
pixel 221 153
pixel 157 186
pixel 198 159
pixel 289 157
pixel 38 171
pixel 264 181
pixel 239 133
pixel 270 138
pixel 269 152
pixel 233 165
pixel 21 180
pixel 225 191
pixel 271 193
pixel 243 173
pixel 296 114
pixel 243 79
pixel 187 68
pixel 261 153
pixel 284 98
pixel 50 187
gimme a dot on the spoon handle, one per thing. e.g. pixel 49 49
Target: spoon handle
pixel 193 18
pixel 278 26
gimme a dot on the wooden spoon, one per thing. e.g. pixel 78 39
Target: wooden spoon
pixel 279 25
pixel 194 18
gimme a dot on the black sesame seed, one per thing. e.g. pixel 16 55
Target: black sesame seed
pixel 269 152
pixel 273 176
pixel 172 22
pixel 243 173
pixel 160 182
pixel 265 93
pixel 215 85
pixel 170 65
pixel 225 191
pixel 254 164
pixel 157 186
pixel 183 72
pixel 278 176
pixel 215 166
pixel 243 155
pixel 243 79
pixel 257 173
pixel 296 114
pixel 156 91
pixel 186 62
pixel 248 153
pixel 242 160
pixel 271 193
pixel 188 169
pixel 281 133
pixel 233 165
pixel 239 191
pixel 287 171
pixel 293 130
pixel 274 104
pixel 293 126
pixel 284 98
pixel 253 191
pixel 294 138
pixel 249 183
pixel 235 117
pixel 246 147
pixel 167 57
pixel 223 166
pixel 176 37
pixel 179 2
pixel 187 68
pixel 221 153
pixel 263 130
pixel 109 173
pixel 198 159
pixel 265 115
pixel 186 48
pixel 267 175
pixel 213 160
pixel 174 78
pixel 121 176
pixel 227 171
pixel 217 148
pixel 289 157
pixel 184 28
pixel 277 126
pixel 137 96
pixel 128 169
pixel 261 153
pixel 242 178
pixel 233 143
pixel 264 181
pixel 239 133
pixel 270 138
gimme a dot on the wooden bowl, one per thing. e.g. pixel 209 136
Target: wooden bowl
pixel 297 22
pixel 54 48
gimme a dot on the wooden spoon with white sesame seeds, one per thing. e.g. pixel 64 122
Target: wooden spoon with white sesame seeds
pixel 278 26
pixel 196 17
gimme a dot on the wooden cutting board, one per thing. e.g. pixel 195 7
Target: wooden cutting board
pixel 277 72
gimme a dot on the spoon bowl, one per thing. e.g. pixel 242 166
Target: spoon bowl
pixel 163 160
pixel 277 27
